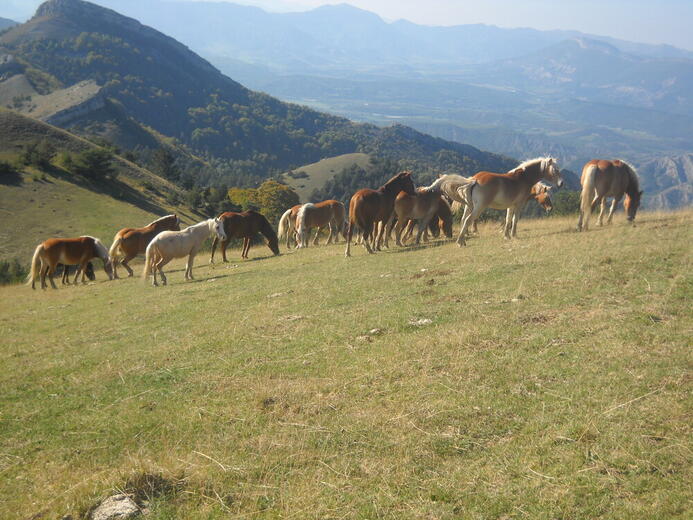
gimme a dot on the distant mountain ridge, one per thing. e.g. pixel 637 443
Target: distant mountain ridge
pixel 150 79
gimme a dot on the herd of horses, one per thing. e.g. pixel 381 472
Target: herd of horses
pixel 373 214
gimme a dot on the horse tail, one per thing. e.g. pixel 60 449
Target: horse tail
pixel 587 180
pixel 35 262
pixel 284 224
pixel 148 259
pixel 115 251
pixel 301 224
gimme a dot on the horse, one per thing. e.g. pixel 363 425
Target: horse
pixel 287 225
pixel 540 192
pixel 441 221
pixel 67 251
pixel 501 191
pixel 130 242
pixel 168 245
pixel 601 179
pixel 420 207
pixel 245 225
pixel 89 272
pixel 329 213
pixel 370 206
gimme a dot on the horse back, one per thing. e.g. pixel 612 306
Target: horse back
pixel 70 251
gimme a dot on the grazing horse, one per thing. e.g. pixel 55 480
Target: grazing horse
pixel 370 206
pixel 245 225
pixel 67 251
pixel 601 179
pixel 420 207
pixel 287 225
pixel 168 245
pixel 502 191
pixel 540 192
pixel 329 213
pixel 130 242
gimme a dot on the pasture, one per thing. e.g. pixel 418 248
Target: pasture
pixel 544 377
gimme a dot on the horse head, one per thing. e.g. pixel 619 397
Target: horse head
pixel 218 228
pixel 403 182
pixel 108 267
pixel 551 172
pixel 631 203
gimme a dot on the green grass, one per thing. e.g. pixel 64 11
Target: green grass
pixel 322 171
pixel 553 382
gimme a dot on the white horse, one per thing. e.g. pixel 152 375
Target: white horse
pixel 168 245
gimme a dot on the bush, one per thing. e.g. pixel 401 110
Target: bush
pixel 8 169
pixel 38 153
pixel 11 271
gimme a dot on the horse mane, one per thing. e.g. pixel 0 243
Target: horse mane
pixel 161 219
pixel 101 250
pixel 533 162
pixel 455 186
pixel 633 180
pixel 393 179
pixel 267 229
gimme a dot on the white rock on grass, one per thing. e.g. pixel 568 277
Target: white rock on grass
pixel 116 507
pixel 421 322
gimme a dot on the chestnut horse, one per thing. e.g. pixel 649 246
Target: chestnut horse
pixel 130 242
pixel 501 191
pixel 420 207
pixel 602 179
pixel 329 213
pixel 66 251
pixel 168 245
pixel 368 207
pixel 245 225
pixel 287 225
pixel 89 272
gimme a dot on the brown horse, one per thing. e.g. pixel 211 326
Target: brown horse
pixel 130 242
pixel 66 251
pixel 330 213
pixel 89 272
pixel 420 207
pixel 441 221
pixel 602 179
pixel 287 225
pixel 245 225
pixel 541 193
pixel 504 191
pixel 368 207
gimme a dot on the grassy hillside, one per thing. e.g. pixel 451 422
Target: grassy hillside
pixel 42 203
pixel 320 172
pixel 552 381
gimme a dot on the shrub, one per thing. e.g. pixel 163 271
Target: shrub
pixel 11 271
pixel 38 153
pixel 95 163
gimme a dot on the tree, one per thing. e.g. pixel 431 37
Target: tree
pixel 275 198
pixel 95 163
pixel 38 153
pixel 163 163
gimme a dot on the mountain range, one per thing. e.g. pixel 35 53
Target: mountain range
pixel 517 92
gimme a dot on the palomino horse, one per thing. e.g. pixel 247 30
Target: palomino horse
pixel 441 221
pixel 601 179
pixel 421 207
pixel 168 245
pixel 130 242
pixel 329 213
pixel 245 225
pixel 501 191
pixel 67 251
pixel 540 192
pixel 287 225
pixel 370 206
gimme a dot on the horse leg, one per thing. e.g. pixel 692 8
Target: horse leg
pixel 159 266
pixel 398 233
pixel 51 272
pixel 516 217
pixel 316 241
pixel 614 203
pixel 246 246
pixel 42 275
pixel 349 234
pixel 224 245
pixel 471 213
pixel 124 263
pixel 214 248
pixel 367 232
pixel 602 207
pixel 188 266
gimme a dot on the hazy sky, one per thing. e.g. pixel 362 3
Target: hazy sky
pixel 650 21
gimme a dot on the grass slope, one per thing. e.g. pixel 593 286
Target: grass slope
pixel 322 171
pixel 36 205
pixel 552 382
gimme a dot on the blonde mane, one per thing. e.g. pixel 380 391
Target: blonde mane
pixel 532 162
pixel 160 219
